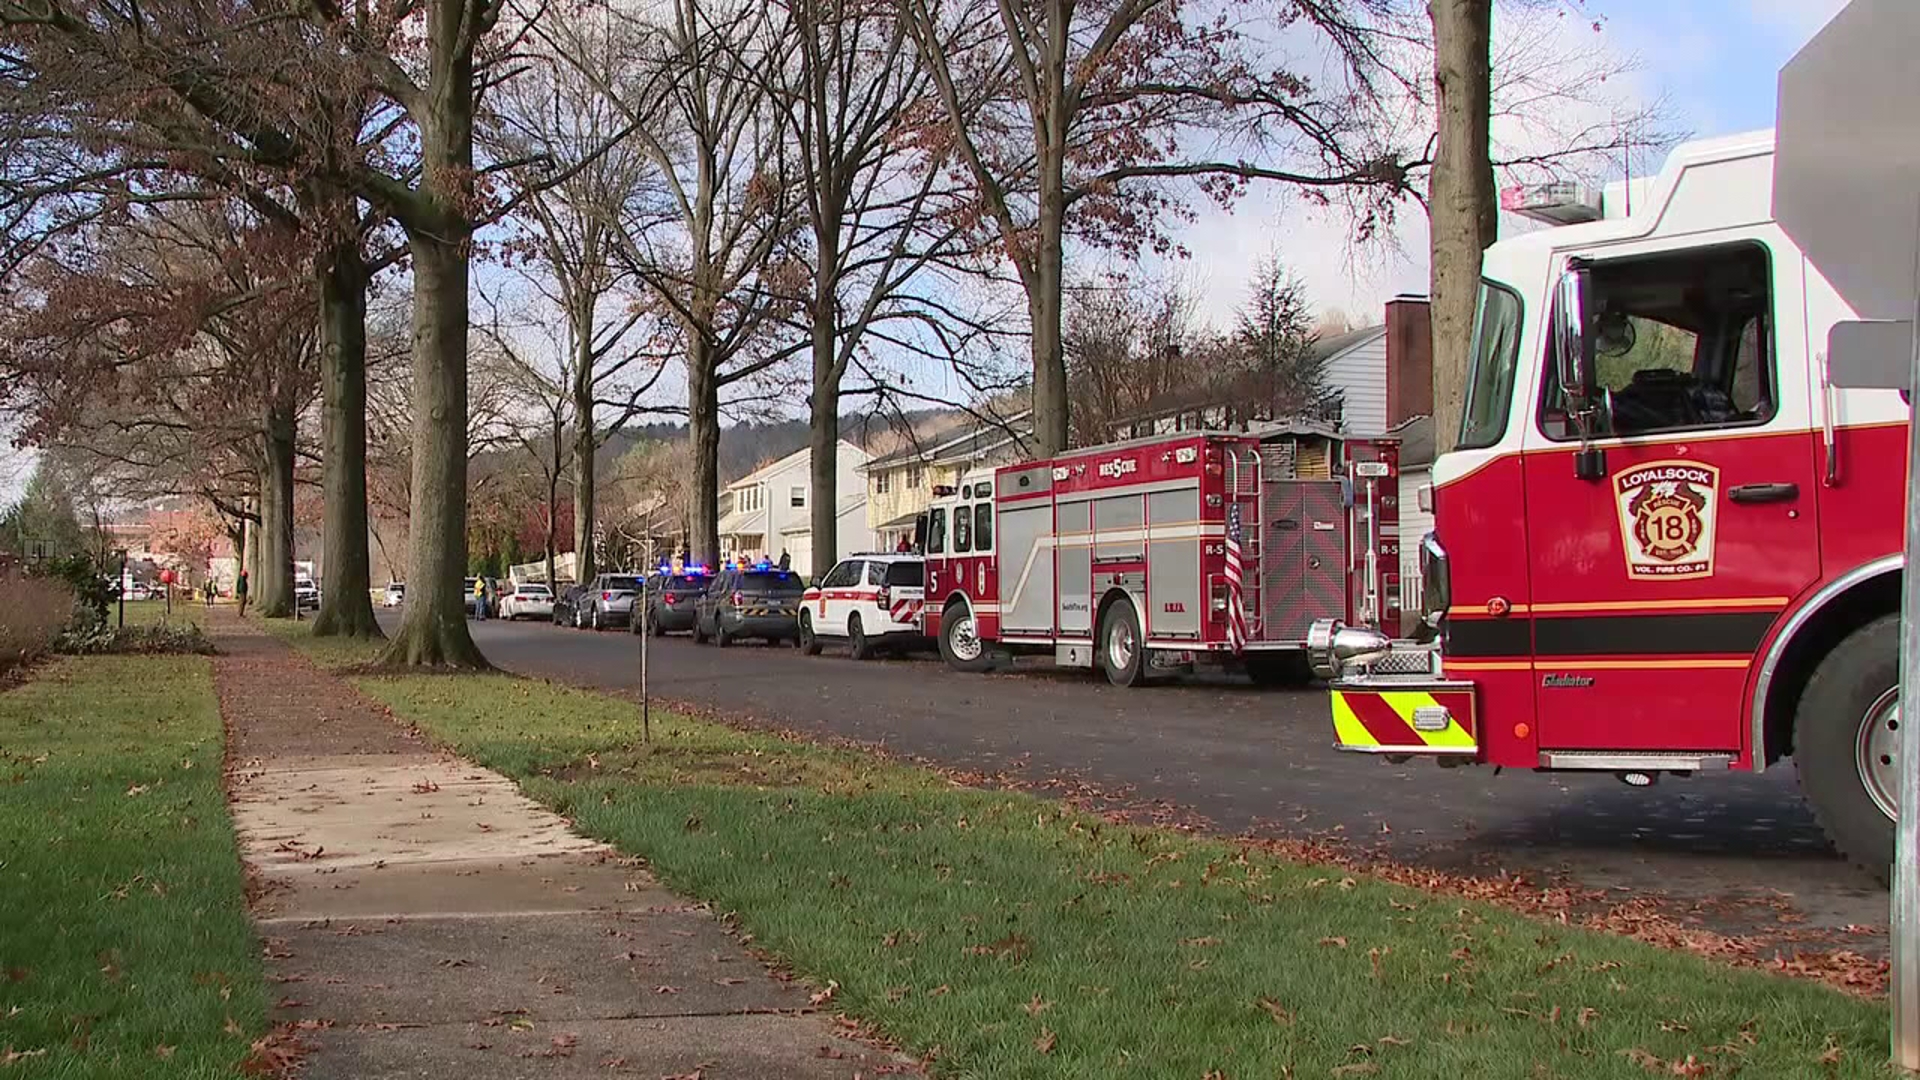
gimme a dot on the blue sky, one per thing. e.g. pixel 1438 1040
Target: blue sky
pixel 1714 61
pixel 1717 59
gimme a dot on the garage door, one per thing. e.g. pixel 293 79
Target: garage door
pixel 800 553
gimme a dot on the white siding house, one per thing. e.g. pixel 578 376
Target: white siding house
pixel 771 512
pixel 1356 365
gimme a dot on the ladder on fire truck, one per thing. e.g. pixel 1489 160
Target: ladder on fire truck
pixel 1246 479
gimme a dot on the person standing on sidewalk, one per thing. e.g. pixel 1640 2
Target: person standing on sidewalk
pixel 206 590
pixel 240 592
pixel 480 599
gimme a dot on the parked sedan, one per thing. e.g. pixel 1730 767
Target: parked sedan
pixel 530 600
pixel 672 600
pixel 609 600
pixel 761 601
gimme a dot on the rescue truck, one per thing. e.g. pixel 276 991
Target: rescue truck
pixel 1146 556
pixel 1665 542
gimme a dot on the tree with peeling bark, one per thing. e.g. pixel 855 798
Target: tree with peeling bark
pixel 1074 121
pixel 1494 88
pixel 109 99
pixel 567 248
pixel 715 252
pixel 1462 203
pixel 178 341
pixel 886 224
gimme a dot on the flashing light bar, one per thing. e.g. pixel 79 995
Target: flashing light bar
pixel 1558 202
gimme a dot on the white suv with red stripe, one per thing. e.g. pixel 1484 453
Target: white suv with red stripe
pixel 870 601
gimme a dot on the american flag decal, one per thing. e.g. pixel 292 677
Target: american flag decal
pixel 1236 609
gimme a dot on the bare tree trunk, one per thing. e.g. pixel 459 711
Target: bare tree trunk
pixel 1464 216
pixel 824 430
pixel 273 587
pixel 553 501
pixel 1044 286
pixel 703 433
pixel 346 599
pixel 250 549
pixel 434 633
pixel 584 502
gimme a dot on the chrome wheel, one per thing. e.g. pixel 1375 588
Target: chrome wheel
pixel 1120 644
pixel 963 640
pixel 1876 753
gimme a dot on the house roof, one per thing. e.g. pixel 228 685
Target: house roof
pixel 744 523
pixel 1246 385
pixel 774 468
pixel 1416 442
pixel 969 440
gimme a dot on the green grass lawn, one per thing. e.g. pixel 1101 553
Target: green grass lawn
pixel 1006 936
pixel 125 948
pixel 186 609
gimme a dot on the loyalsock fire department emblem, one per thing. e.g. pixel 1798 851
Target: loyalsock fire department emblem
pixel 1666 519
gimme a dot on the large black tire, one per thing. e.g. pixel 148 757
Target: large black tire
pixel 654 624
pixel 963 656
pixel 1848 691
pixel 699 631
pixel 1289 668
pixel 720 635
pixel 595 621
pixel 857 644
pixel 809 641
pixel 1125 666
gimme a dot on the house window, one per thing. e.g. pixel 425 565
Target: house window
pixel 881 482
pixel 913 478
pixel 797 495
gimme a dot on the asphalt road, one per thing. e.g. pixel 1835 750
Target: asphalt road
pixel 1733 846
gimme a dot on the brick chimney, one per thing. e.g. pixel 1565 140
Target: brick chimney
pixel 1409 359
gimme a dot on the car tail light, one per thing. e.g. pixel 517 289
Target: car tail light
pixel 606 596
pixel 739 599
pixel 667 599
pixel 885 597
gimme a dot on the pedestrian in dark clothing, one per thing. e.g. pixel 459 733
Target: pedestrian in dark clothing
pixel 240 592
pixel 786 561
pixel 206 587
pixel 904 546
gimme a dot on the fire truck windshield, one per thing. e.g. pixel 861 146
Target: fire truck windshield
pixel 1496 352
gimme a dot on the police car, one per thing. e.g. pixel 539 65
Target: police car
pixel 870 602
pixel 671 598
pixel 754 601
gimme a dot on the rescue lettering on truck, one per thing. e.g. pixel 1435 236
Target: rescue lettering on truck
pixel 1664 542
pixel 1148 556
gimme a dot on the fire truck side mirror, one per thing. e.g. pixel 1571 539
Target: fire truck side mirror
pixel 1573 345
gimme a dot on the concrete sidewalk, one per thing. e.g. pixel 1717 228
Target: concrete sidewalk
pixel 426 920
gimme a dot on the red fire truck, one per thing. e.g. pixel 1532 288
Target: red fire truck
pixel 1665 541
pixel 1144 557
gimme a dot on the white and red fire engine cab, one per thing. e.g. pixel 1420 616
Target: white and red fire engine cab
pixel 1144 557
pixel 1665 541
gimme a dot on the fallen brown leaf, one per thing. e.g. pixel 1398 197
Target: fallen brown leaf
pixel 1045 1042
pixel 1336 942
pixel 1280 1013
pixel 1037 1006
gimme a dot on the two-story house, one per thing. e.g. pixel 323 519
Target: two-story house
pixel 900 484
pixel 769 511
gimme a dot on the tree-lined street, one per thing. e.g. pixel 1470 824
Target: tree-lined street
pixel 1259 760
